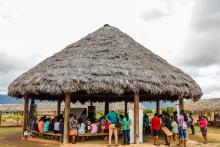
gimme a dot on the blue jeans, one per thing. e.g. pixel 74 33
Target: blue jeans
pixel 126 136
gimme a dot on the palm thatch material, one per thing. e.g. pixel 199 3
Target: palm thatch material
pixel 204 105
pixel 105 65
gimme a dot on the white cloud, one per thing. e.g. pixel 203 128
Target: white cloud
pixel 34 30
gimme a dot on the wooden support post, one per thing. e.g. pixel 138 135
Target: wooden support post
pixel 126 107
pixel 181 103
pixel 66 118
pixel 136 118
pixel 25 114
pixel 58 107
pixel 91 104
pixel 106 107
pixel 31 112
pixel 158 107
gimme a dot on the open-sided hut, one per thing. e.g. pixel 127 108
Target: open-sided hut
pixel 105 66
pixel 211 105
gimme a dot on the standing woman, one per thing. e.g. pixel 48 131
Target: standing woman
pixel 126 123
pixel 203 126
pixel 182 121
pixel 73 127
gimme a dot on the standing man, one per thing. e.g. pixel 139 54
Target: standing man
pixel 191 123
pixel 167 123
pixel 155 124
pixel 114 120
pixel 126 124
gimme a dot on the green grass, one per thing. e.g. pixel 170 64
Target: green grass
pixel 9 131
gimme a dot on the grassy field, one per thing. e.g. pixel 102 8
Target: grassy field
pixel 11 137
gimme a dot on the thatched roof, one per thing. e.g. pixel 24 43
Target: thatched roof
pixel 204 105
pixel 106 64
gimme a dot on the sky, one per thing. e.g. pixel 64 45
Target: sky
pixel 185 32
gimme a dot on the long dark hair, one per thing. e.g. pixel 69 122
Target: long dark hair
pixel 184 115
pixel 126 116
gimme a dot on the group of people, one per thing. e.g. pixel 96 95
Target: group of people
pixel 105 124
pixel 44 124
pixel 177 124
pixel 113 122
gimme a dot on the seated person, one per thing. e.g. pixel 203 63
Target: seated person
pixel 88 124
pixel 81 127
pixel 34 124
pixel 46 125
pixel 56 125
pixel 51 125
pixel 106 130
pixel 94 127
pixel 61 126
pixel 41 125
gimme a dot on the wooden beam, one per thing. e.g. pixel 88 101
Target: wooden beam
pixel 126 106
pixel 136 118
pixel 158 107
pixel 181 103
pixel 66 118
pixel 106 107
pixel 25 114
pixel 58 107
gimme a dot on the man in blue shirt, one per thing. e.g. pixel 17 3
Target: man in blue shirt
pixel 114 120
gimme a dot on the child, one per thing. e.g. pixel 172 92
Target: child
pixel 81 127
pixel 61 126
pixel 56 125
pixel 174 128
pixel 203 126
pixel 94 128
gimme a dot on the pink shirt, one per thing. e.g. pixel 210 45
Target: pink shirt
pixel 203 123
pixel 94 128
pixel 41 126
pixel 181 122
pixel 107 124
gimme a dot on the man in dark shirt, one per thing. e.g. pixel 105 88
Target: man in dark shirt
pixel 167 123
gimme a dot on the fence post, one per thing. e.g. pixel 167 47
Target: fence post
pixel 17 118
pixel 0 118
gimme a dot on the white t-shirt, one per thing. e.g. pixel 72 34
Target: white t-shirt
pixel 56 126
pixel 81 128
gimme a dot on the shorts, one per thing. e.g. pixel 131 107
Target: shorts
pixel 204 131
pixel 73 132
pixel 182 133
pixel 156 132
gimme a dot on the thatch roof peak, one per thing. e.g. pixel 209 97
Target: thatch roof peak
pixel 106 61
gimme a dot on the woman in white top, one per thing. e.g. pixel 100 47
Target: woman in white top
pixel 81 127
pixel 56 125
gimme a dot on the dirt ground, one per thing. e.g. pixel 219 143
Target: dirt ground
pixel 10 137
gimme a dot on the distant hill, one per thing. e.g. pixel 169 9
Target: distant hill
pixel 152 105
pixel 4 99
